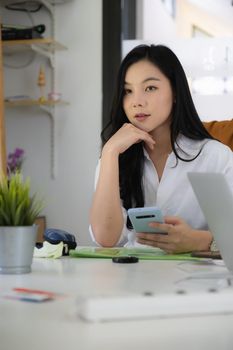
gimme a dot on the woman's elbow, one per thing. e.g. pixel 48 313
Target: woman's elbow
pixel 106 237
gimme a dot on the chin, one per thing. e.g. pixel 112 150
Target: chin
pixel 146 128
pixel 142 127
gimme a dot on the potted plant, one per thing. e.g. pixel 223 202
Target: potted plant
pixel 18 211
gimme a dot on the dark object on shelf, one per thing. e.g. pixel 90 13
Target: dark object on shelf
pixel 55 236
pixel 22 33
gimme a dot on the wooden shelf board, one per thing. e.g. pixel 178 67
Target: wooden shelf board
pixel 47 44
pixel 34 103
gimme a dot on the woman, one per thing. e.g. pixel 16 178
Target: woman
pixel 153 140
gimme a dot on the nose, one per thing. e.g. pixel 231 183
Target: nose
pixel 138 100
pixel 137 104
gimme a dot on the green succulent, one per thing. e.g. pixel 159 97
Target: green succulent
pixel 17 207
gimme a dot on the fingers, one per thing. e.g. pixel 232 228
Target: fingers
pixel 173 220
pixel 169 223
pixel 149 141
pixel 166 227
pixel 126 136
pixel 140 135
pixel 153 237
pixel 151 145
pixel 168 247
pixel 168 241
pixel 179 237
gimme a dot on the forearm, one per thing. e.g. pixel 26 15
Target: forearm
pixel 106 213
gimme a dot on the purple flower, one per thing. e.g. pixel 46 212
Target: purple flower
pixel 19 152
pixel 15 160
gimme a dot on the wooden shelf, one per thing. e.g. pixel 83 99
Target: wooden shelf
pixel 47 3
pixel 45 44
pixel 46 47
pixel 25 103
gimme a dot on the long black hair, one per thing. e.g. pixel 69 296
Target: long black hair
pixel 185 119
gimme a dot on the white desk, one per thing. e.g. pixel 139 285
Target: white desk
pixel 54 324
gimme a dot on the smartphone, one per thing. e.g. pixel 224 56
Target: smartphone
pixel 141 217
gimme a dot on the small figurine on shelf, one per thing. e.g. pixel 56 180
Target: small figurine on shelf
pixel 41 83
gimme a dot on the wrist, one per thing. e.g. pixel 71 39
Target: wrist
pixel 109 151
pixel 204 240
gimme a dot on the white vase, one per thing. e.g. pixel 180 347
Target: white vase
pixel 16 248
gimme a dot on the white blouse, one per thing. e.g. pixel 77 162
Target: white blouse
pixel 173 194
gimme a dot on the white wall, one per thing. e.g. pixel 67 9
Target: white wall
pixel 155 25
pixel 78 75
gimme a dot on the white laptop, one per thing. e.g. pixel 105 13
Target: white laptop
pixel 216 201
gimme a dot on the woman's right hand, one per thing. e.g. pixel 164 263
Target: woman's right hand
pixel 126 136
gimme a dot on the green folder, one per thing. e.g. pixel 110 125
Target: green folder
pixel 141 253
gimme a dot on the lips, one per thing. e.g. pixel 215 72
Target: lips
pixel 141 116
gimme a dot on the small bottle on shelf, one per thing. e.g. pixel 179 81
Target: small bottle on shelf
pixel 41 82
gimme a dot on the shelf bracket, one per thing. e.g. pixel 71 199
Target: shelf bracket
pixel 45 53
pixel 48 5
pixel 51 113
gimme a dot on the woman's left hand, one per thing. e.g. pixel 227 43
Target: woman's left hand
pixel 180 237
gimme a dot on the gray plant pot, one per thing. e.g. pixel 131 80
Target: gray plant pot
pixel 16 248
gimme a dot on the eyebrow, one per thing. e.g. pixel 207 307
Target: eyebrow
pixel 145 80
